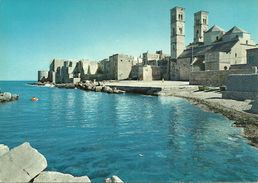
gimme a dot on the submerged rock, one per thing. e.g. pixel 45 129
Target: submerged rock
pixel 48 176
pixel 3 149
pixel 21 164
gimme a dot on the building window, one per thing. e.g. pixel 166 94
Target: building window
pixel 217 38
pixel 246 41
pixel 204 21
pixel 180 17
pixel 197 34
pixel 180 30
pixel 174 32
pixel 235 54
pixel 225 68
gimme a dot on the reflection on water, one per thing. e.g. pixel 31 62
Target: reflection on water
pixel 139 138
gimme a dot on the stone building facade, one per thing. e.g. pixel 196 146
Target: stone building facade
pixel 42 75
pixel 120 66
pixel 200 25
pixel 211 50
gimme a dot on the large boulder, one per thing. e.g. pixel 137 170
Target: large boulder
pixel 21 164
pixel 98 88
pixel 48 176
pixel 107 89
pixel 113 179
pixel 3 149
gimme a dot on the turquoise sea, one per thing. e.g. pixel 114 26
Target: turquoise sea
pixel 139 138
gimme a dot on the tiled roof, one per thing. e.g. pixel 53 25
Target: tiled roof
pixel 216 47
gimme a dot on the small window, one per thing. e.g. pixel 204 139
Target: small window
pixel 204 21
pixel 180 17
pixel 217 38
pixel 180 30
pixel 235 54
pixel 225 68
pixel 174 32
pixel 246 41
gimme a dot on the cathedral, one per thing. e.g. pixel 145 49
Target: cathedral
pixel 212 48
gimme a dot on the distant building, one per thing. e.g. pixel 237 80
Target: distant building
pixel 212 49
pixel 152 58
pixel 42 76
pixel 120 66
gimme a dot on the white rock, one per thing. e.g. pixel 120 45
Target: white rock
pixel 21 164
pixel 48 176
pixel 3 149
pixel 108 180
pixel 116 179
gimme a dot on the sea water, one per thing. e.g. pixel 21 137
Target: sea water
pixel 139 138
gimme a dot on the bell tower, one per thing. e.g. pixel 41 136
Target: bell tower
pixel 200 25
pixel 177 34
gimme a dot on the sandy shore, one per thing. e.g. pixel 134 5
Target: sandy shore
pixel 208 100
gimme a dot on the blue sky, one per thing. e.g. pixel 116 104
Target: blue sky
pixel 32 32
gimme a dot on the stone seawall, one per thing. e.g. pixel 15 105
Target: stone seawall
pixel 139 89
pixel 215 78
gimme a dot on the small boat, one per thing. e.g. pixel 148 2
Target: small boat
pixel 34 99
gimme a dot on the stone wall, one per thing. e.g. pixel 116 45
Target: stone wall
pixel 241 87
pixel 215 78
pixel 252 57
pixel 184 68
pixel 149 73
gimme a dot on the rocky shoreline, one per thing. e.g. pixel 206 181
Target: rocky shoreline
pixel 242 118
pixel 8 97
pixel 26 164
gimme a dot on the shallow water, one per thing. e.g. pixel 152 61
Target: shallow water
pixel 139 138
